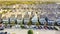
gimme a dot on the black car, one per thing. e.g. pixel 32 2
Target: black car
pixel 50 28
pixel 40 27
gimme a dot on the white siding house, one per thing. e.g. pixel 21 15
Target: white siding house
pixel 19 18
pixel 26 18
pixel 51 22
pixel 42 21
pixel 5 20
pixel 12 18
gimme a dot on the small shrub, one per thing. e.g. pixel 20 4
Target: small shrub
pixel 30 32
pixel 22 27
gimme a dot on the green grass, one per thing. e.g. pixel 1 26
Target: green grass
pixel 22 2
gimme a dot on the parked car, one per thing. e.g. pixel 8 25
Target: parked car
pixel 50 27
pixel 1 27
pixel 3 32
pixel 32 27
pixel 17 26
pixel 45 27
pixel 26 26
pixel 35 27
pixel 55 28
pixel 40 27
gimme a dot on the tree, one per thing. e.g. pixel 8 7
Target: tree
pixel 15 21
pixel 12 23
pixel 37 24
pixel 6 24
pixel 9 20
pixel 30 32
pixel 46 21
pixel 39 21
pixel 1 21
pixel 23 21
pixel 22 26
pixel 55 23
pixel 29 23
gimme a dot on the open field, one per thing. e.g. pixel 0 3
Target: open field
pixel 23 2
pixel 32 0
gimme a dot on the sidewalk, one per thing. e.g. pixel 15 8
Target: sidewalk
pixel 24 31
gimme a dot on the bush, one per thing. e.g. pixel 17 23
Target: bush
pixel 29 23
pixel 30 32
pixel 37 24
pixel 6 24
pixel 12 23
pixel 22 27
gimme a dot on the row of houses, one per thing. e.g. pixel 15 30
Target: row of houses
pixel 34 20
pixel 23 11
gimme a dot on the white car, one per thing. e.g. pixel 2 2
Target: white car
pixel 17 26
pixel 58 23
